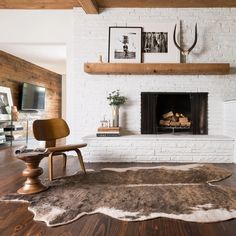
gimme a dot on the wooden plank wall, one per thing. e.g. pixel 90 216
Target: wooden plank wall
pixel 15 71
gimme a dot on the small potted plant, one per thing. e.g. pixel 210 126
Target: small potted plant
pixel 115 101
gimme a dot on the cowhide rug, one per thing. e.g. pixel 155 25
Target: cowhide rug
pixel 180 192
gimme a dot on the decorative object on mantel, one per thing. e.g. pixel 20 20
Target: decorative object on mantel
pixel 157 68
pixel 115 100
pixel 100 59
pixel 186 192
pixel 124 44
pixel 185 52
pixel 158 45
pixel 104 122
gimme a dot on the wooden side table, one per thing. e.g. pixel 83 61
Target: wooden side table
pixel 32 172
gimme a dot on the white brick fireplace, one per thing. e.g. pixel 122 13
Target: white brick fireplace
pixel 160 148
pixel 86 94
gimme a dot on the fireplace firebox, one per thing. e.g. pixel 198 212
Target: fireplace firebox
pixel 174 113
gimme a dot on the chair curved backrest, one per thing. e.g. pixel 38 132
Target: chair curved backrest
pixel 50 129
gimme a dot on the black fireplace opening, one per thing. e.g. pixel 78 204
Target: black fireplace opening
pixel 174 113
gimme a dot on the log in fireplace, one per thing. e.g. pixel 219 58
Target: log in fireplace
pixel 174 113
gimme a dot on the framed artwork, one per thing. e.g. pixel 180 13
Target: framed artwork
pixel 158 44
pixel 5 103
pixel 124 45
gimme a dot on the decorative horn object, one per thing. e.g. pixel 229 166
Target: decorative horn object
pixel 183 51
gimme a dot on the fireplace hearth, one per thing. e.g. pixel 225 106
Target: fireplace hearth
pixel 174 113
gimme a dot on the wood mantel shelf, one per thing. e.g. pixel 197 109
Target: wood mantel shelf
pixel 157 68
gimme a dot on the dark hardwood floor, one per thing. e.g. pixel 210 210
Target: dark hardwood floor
pixel 15 219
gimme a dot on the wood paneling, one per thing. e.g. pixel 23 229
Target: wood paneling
pixel 157 68
pixel 69 4
pixel 89 6
pixel 15 71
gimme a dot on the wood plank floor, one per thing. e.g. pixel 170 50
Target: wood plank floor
pixel 15 219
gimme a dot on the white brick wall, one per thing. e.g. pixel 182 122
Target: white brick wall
pixel 230 121
pixel 159 148
pixel 86 94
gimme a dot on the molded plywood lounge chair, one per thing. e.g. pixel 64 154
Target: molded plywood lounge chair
pixel 50 130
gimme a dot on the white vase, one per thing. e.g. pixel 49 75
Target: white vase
pixel 115 116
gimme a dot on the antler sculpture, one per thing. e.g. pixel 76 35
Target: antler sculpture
pixel 185 52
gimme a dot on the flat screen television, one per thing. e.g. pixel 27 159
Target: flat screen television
pixel 33 97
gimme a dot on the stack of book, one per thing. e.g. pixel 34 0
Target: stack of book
pixel 108 132
pixel 12 137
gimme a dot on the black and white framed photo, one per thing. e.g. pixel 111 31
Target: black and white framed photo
pixel 5 103
pixel 158 44
pixel 155 42
pixel 124 44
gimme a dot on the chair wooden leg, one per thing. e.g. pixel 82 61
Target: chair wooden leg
pixel 50 167
pixel 81 160
pixel 64 160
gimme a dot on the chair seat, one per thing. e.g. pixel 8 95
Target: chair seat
pixel 66 148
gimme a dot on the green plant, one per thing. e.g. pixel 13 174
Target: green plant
pixel 115 99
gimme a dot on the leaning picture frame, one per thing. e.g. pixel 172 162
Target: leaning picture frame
pixel 5 103
pixel 158 44
pixel 124 45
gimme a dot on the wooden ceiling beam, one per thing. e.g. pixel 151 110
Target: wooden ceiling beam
pixel 89 6
pixel 166 3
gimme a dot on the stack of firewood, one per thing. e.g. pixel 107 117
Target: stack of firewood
pixel 175 120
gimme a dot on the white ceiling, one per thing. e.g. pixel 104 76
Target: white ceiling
pixel 49 56
pixel 38 36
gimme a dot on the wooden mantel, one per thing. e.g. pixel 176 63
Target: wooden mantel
pixel 158 68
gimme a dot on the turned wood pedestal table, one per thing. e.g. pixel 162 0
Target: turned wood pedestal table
pixel 32 172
